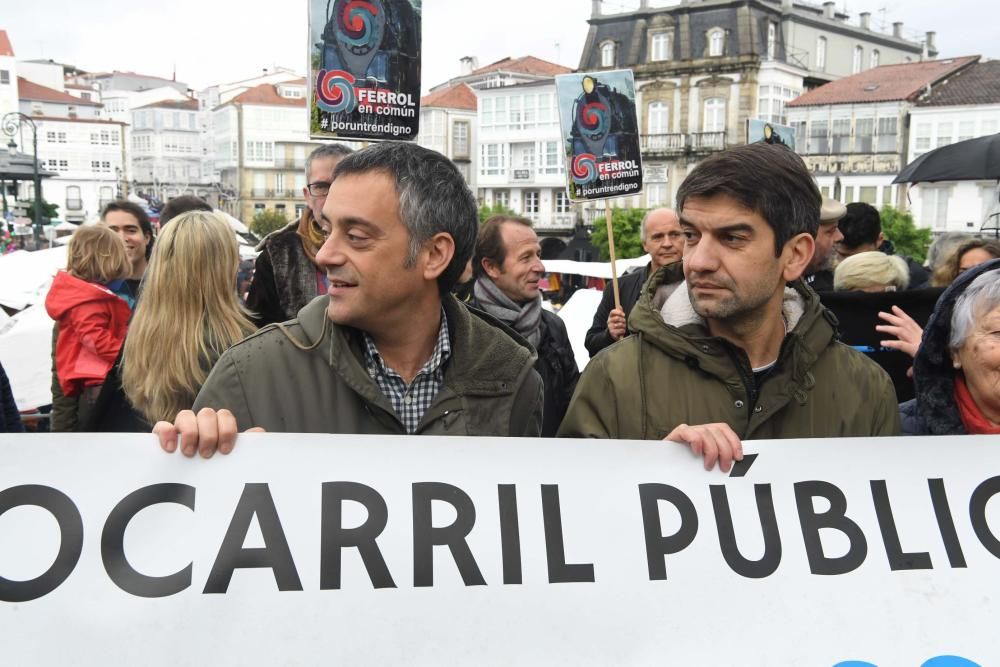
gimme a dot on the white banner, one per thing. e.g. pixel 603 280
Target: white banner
pixel 305 550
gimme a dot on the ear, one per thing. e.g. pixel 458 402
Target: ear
pixel 880 241
pixel 439 250
pixel 796 255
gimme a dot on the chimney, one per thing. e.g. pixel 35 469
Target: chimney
pixel 931 47
pixel 866 20
pixel 595 8
pixel 897 30
pixel 828 9
pixel 469 64
pixel 643 4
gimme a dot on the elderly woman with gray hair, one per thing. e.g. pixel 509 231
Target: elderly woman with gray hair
pixel 957 367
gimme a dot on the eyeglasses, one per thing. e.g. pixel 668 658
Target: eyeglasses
pixel 319 189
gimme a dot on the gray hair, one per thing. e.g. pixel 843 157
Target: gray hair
pixel 335 151
pixel 979 298
pixel 941 247
pixel 433 198
pixel 642 225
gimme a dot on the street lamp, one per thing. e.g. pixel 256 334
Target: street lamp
pixel 10 124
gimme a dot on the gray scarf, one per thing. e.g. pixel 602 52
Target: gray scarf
pixel 524 319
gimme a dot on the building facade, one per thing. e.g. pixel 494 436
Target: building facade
pixel 703 68
pixel 448 125
pixel 168 152
pixel 853 133
pixel 964 106
pixel 86 151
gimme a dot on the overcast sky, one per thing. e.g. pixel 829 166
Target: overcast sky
pixel 214 41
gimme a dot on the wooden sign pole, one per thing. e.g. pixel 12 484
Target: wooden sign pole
pixel 611 251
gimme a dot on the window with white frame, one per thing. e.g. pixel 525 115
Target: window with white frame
pixel 529 110
pixel 935 206
pixel 820 53
pixel 922 142
pixel 516 119
pixel 528 157
pixel 608 54
pixel 772 40
pixel 859 54
pixel 864 132
pixel 658 118
pixel 966 130
pixel 279 182
pixel 493 160
pixel 660 46
pixel 562 202
pixel 819 140
pixel 874 59
pixel 989 127
pixel 546 110
pixel 501 198
pixel 37 109
pixel 656 194
pixel 531 202
pixel 715 115
pixel 551 161
pixel 4 77
pixel 771 103
pixel 434 129
pixel 990 200
pixel 943 134
pixel 460 138
pixel 486 119
pixel 716 41
pixel 887 137
pixel 841 135
pixel 799 127
pixel 500 109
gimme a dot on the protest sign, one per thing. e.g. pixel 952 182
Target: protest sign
pixel 300 549
pixel 770 133
pixel 600 134
pixel 364 60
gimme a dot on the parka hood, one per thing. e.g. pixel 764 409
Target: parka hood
pixel 69 292
pixel 933 373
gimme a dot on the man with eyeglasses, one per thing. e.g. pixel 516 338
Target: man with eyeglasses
pixel 286 275
pixel 663 239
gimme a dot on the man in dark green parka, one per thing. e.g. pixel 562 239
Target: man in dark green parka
pixel 730 344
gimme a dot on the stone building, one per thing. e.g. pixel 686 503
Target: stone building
pixel 703 68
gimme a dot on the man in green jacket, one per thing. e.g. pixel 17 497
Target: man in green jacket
pixel 388 350
pixel 729 343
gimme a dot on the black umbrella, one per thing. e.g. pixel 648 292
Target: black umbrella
pixel 971 160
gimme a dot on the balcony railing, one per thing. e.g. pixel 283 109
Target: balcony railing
pixel 708 141
pixel 663 143
pixel 74 204
pixel 290 163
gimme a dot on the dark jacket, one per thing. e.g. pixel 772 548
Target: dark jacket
pixel 672 371
pixel 629 289
pixel 821 281
pixel 10 418
pixel 307 376
pixel 284 278
pixel 934 411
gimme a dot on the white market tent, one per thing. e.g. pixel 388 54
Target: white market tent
pixel 26 354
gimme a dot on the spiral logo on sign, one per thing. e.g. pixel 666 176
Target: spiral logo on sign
pixel 584 169
pixel 335 91
pixel 594 117
pixel 357 24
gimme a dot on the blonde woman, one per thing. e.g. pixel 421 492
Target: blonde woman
pixel 872 271
pixel 188 315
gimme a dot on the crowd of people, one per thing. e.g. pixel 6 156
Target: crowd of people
pixel 387 308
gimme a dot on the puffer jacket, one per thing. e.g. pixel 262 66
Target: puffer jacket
pixel 92 324
pixel 934 411
pixel 675 372
pixel 307 376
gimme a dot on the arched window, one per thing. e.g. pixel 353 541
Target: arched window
pixel 859 54
pixel 875 57
pixel 820 54
pixel 659 117
pixel 608 54
pixel 715 115
pixel 716 41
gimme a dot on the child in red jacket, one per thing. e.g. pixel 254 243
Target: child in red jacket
pixel 92 319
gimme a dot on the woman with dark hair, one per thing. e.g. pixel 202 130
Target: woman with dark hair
pixel 957 366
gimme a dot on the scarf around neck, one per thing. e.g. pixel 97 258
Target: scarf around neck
pixel 525 319
pixel 973 418
pixel 311 235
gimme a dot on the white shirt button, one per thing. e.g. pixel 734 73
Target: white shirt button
pixel 407 399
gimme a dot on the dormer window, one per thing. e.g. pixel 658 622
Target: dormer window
pixel 608 50
pixel 661 46
pixel 716 42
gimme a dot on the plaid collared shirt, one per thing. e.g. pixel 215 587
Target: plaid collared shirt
pixel 410 402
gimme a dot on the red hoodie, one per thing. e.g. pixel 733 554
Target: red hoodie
pixel 92 324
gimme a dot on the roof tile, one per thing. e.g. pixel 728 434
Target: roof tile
pixel 524 65
pixel 459 96
pixel 979 84
pixel 29 90
pixel 888 83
